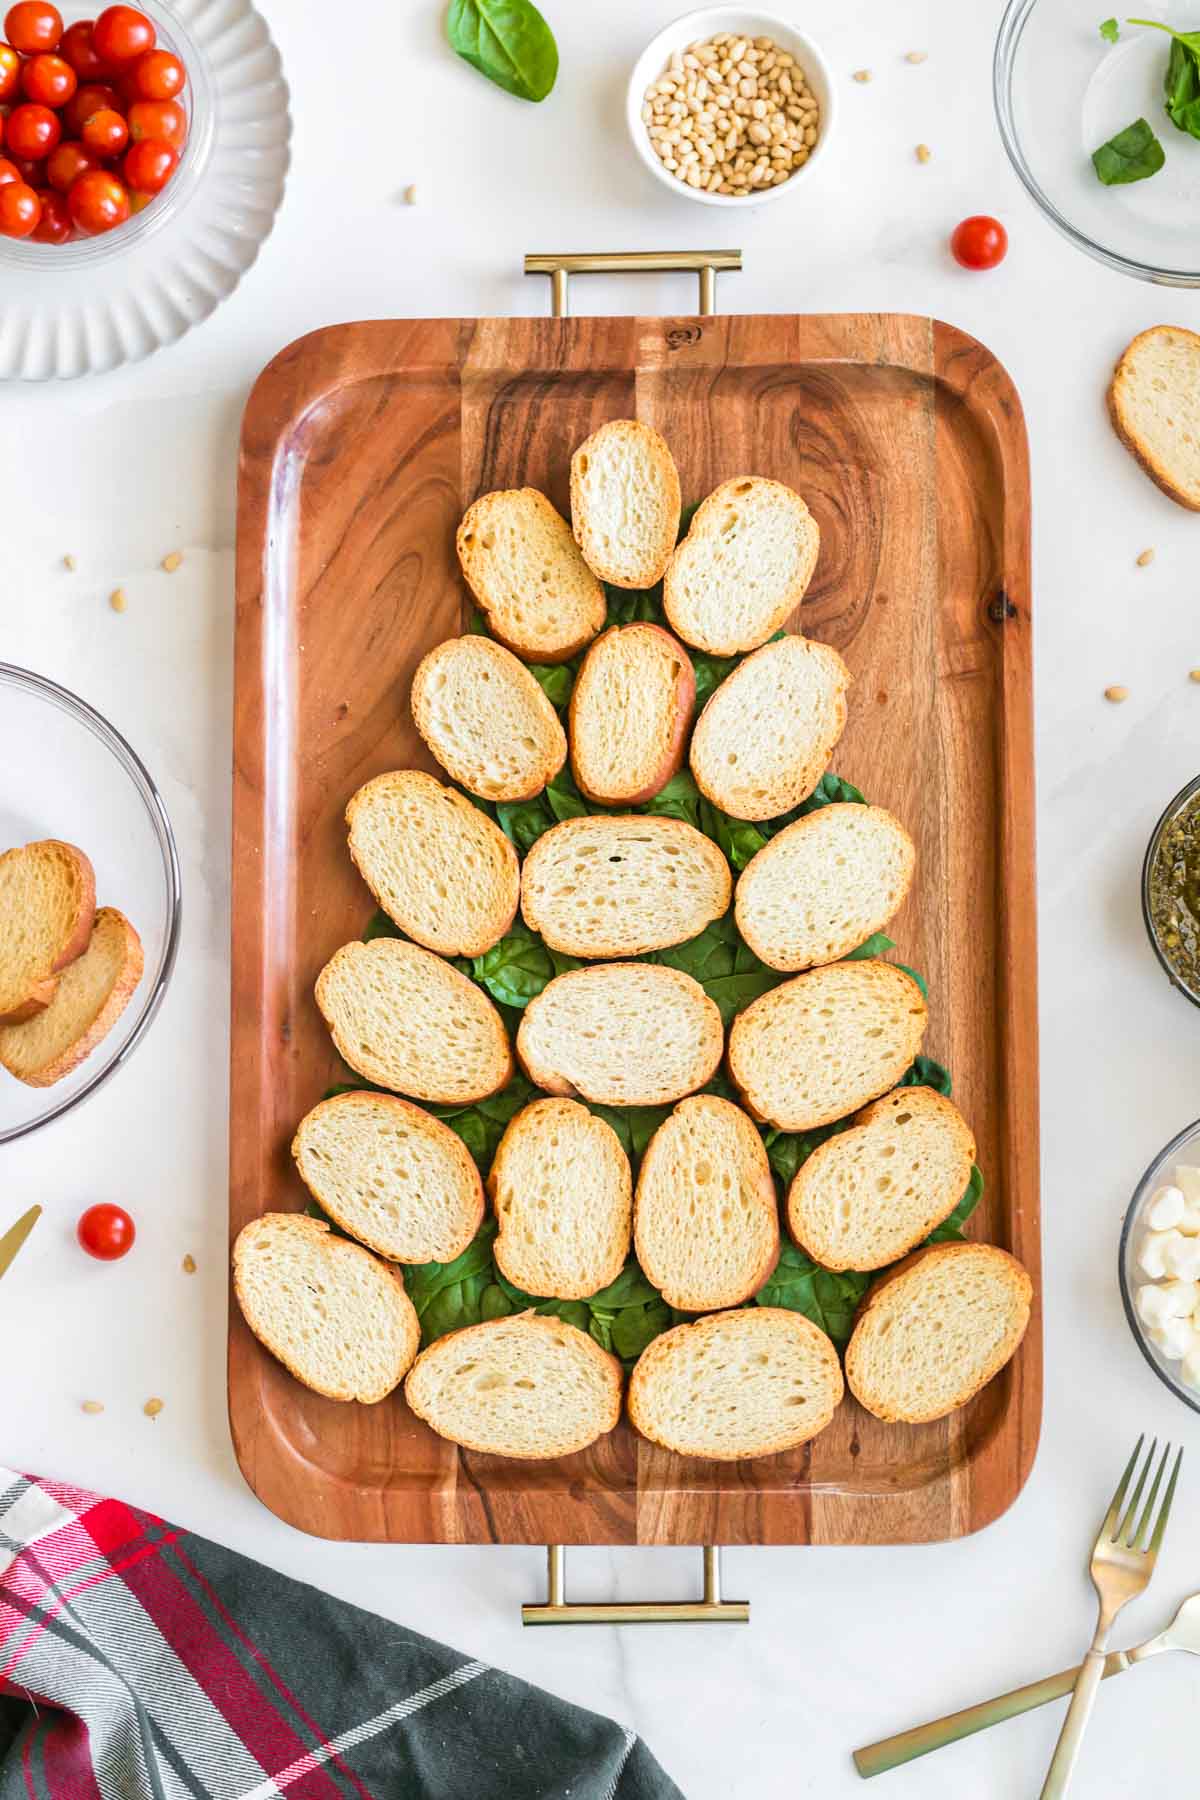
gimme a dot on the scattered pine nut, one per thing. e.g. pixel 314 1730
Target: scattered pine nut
pixel 923 153
pixel 862 74
pixel 1116 694
pixel 1194 674
pixel 92 1406
pixel 916 56
pixel 171 563
pixel 1145 559
pixel 117 600
pixel 69 563
pixel 152 1408
pixel 410 194
pixel 189 1265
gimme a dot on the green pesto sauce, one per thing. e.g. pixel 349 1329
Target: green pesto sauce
pixel 1175 894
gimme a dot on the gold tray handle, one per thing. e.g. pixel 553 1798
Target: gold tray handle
pixel 703 263
pixel 558 1610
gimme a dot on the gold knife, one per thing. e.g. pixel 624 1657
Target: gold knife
pixel 13 1239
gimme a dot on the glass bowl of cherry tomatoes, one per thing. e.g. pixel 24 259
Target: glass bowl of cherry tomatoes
pixel 105 126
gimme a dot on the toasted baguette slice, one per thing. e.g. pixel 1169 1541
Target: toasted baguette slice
pixel 486 719
pixel 529 1386
pixel 91 995
pixel 765 737
pixel 563 1195
pixel 824 885
pixel 47 905
pixel 706 1224
pixel 1154 404
pixel 524 567
pixel 621 1034
pixel 818 1047
pixel 400 1181
pixel 333 1314
pixel 407 1020
pixel 872 1193
pixel 625 503
pixel 606 886
pixel 738 1384
pixel 437 865
pixel 743 567
pixel 631 707
pixel 935 1329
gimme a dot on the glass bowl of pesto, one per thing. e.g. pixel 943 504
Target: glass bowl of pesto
pixel 1106 148
pixel 1171 890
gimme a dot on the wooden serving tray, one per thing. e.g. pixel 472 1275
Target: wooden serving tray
pixel 361 447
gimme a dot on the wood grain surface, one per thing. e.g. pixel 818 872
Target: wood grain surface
pixel 361 447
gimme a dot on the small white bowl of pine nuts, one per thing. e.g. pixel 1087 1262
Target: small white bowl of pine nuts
pixel 730 107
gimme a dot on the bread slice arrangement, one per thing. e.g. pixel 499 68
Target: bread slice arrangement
pixel 743 568
pixel 824 885
pixel 935 1329
pixel 486 719
pixel 621 1034
pixel 737 1384
pixel 524 567
pixel 563 1197
pixel 391 1175
pixel 332 1313
pixel 625 503
pixel 1154 405
pixel 868 1196
pixel 608 887
pixel 764 739
pixel 706 1222
pixel 438 866
pixel 526 1387
pixel 631 711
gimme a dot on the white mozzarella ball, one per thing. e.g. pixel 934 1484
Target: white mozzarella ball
pixel 1152 1257
pixel 1166 1208
pixel 1188 1180
pixel 1180 1298
pixel 1152 1307
pixel 1177 1338
pixel 1182 1256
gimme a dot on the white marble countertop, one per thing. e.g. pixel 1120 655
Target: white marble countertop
pixel 845 1644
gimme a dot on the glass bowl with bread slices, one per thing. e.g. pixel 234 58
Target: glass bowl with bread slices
pixel 89 901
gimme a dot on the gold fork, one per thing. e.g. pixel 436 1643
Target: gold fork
pixel 1122 1564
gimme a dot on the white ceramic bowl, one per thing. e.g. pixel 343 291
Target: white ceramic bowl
pixel 707 23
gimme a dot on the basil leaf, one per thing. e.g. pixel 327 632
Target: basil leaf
pixel 555 680
pixel 875 945
pixel 950 1230
pixel 1110 31
pixel 924 1072
pixel 506 40
pixel 515 970
pixel 1133 155
pixel 1181 84
pixel 829 1299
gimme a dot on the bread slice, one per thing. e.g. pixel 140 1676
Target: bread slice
pixel 621 1034
pixel 630 711
pixel 605 886
pixel 524 567
pixel 333 1314
pixel 407 1020
pixel 530 1387
pixel 436 864
pixel 867 1196
pixel 822 886
pixel 706 1224
pixel 935 1329
pixel 47 906
pixel 738 1384
pixel 392 1176
pixel 563 1194
pixel 1154 404
pixel 625 503
pixel 486 719
pixel 818 1047
pixel 765 737
pixel 91 995
pixel 743 568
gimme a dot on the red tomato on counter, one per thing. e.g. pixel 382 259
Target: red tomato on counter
pixel 979 242
pixel 106 1232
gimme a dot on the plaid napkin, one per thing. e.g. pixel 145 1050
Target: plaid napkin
pixel 139 1662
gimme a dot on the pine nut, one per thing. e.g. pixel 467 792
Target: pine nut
pixel 117 600
pixel 1116 694
pixel 92 1406
pixel 916 56
pixel 152 1408
pixel 1194 674
pixel 862 74
pixel 189 1265
pixel 923 154
pixel 1145 559
pixel 70 564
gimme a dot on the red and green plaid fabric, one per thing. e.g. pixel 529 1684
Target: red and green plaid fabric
pixel 140 1662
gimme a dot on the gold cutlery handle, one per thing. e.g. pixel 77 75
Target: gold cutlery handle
pixel 1070 1738
pixel 713 1609
pixel 907 1746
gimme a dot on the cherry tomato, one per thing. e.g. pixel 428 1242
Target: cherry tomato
pixel 54 226
pixel 67 162
pixel 121 34
pixel 106 1232
pixel 8 171
pixel 10 71
pixel 31 170
pixel 33 25
pixel 158 75
pixel 979 242
pixel 20 209
pixel 48 80
pixel 139 202
pixel 3 118
pixel 105 132
pixel 77 49
pixel 32 131
pixel 163 119
pixel 149 165
pixel 98 201
pixel 87 99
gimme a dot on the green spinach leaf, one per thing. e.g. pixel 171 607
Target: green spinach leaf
pixel 919 979
pixel 827 1298
pixel 875 945
pixel 633 606
pixel 380 925
pixel 724 965
pixel 447 1296
pixel 556 681
pixel 634 1125
pixel 1132 155
pixel 515 970
pixel 680 799
pixel 831 790
pixel 506 40
pixel 924 1072
pixel 482 1126
pixel 1110 31
pixel 950 1230
pixel 710 672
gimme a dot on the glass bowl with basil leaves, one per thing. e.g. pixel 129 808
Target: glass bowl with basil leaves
pixel 1171 890
pixel 1100 117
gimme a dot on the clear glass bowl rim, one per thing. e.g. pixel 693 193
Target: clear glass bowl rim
pixel 1188 792
pixel 1169 1153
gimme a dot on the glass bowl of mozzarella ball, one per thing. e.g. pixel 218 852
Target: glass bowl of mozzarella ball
pixel 1159 1265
